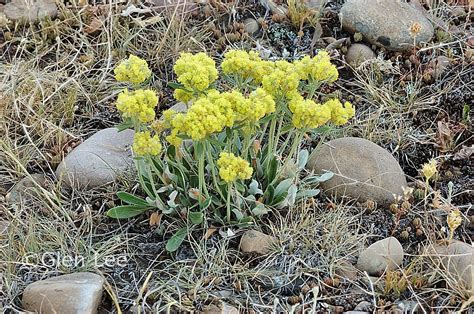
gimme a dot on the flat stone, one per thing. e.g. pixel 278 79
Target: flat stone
pixel 365 306
pixel 362 170
pixel 178 7
pixel 346 270
pixel 99 160
pixel 72 293
pixel 251 26
pixel 253 241
pixel 30 10
pixel 358 53
pixel 27 189
pixel 386 23
pixel 223 308
pixel 386 254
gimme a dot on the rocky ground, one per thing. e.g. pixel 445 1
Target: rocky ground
pixel 407 67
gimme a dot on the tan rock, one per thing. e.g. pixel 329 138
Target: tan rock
pixel 362 170
pixel 251 26
pixel 386 254
pixel 358 53
pixel 253 241
pixel 27 189
pixel 30 10
pixel 66 294
pixel 223 308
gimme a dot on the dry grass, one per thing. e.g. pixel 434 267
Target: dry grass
pixel 57 88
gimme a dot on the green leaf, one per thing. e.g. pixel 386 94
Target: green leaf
pixel 272 169
pixel 269 194
pixel 174 85
pixel 302 159
pixel 307 194
pixel 176 240
pixel 283 187
pixel 126 211
pixel 131 199
pixel 260 210
pixel 124 125
pixel 204 205
pixel 196 217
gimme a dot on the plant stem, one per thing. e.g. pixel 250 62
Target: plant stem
pixel 213 168
pixel 229 191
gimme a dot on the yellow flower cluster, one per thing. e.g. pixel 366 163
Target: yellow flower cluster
pixel 232 168
pixel 247 65
pixel 429 169
pixel 340 114
pixel 212 112
pixel 282 81
pixel 308 114
pixel 318 68
pixel 195 71
pixel 134 70
pixel 146 145
pixel 137 105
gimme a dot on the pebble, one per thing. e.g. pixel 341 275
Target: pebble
pixel 254 241
pixel 30 11
pixel 358 53
pixel 251 26
pixel 99 160
pixel 26 190
pixel 362 170
pixel 387 23
pixel 274 7
pixel 364 306
pixel 72 293
pixel 386 254
pixel 223 308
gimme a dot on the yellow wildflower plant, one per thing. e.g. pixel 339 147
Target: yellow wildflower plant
pixel 429 169
pixel 146 145
pixel 340 114
pixel 232 168
pixel 307 114
pixel 454 220
pixel 319 68
pixel 280 83
pixel 134 70
pixel 195 71
pixel 247 65
pixel 137 105
pixel 182 95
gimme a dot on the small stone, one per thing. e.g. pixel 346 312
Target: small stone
pixel 99 160
pixel 72 293
pixel 358 53
pixel 27 189
pixel 386 254
pixel 275 6
pixel 458 11
pixel 362 170
pixel 346 270
pixel 386 23
pixel 223 308
pixel 439 65
pixel 407 306
pixel 30 10
pixel 251 26
pixel 364 306
pixel 253 241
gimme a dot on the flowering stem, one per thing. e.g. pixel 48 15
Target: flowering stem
pixel 297 141
pixel 229 192
pixel 201 161
pixel 213 168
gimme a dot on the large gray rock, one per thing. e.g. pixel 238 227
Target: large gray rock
pixel 362 170
pixel 99 160
pixel 68 294
pixel 27 189
pixel 386 23
pixel 30 10
pixel 386 254
pixel 358 53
